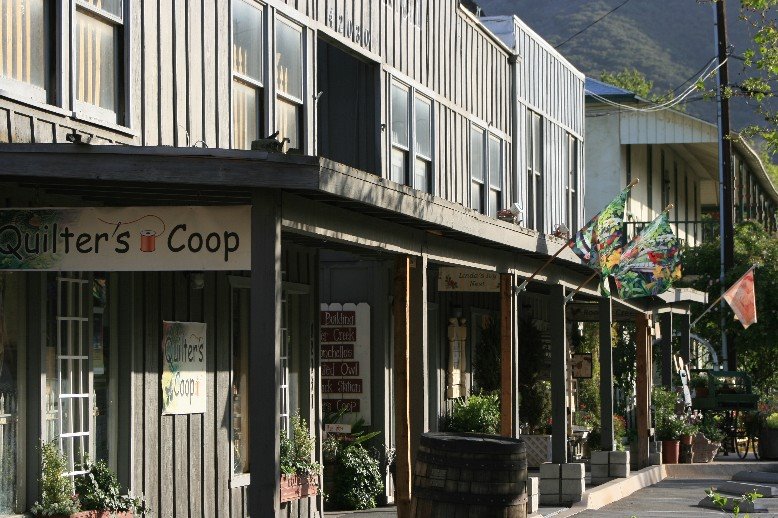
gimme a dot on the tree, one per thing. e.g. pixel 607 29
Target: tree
pixel 756 346
pixel 635 81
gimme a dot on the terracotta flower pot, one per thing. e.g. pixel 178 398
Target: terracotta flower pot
pixel 670 450
pixel 686 439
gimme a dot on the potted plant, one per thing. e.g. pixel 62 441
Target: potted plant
pixel 668 431
pixel 299 472
pixel 768 437
pixel 687 432
pixel 58 498
pixel 98 491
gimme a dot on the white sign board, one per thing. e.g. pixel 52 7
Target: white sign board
pixel 344 346
pixel 467 279
pixel 183 372
pixel 126 239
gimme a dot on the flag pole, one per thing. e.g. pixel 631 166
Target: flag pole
pixel 753 266
pixel 523 285
pixel 570 297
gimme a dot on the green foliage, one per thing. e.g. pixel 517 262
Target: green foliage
pixel 297 449
pixel 669 426
pixel 710 429
pixel 721 501
pixel 57 492
pixel 534 387
pixel 635 81
pixel 757 353
pixel 589 389
pixel 357 479
pixel 99 490
pixel 624 365
pixel 486 358
pixel 771 421
pixel 480 413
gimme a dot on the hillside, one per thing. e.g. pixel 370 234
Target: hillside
pixel 667 40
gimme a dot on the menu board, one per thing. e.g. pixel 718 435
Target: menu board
pixel 344 348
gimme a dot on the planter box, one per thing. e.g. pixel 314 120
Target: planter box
pixel 704 449
pixel 768 443
pixel 296 487
pixel 538 449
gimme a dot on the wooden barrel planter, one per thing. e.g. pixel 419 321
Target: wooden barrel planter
pixel 469 475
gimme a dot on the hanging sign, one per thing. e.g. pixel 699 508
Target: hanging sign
pixel 581 365
pixel 467 279
pixel 345 360
pixel 126 239
pixel 183 372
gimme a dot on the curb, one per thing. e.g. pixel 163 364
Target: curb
pixel 615 490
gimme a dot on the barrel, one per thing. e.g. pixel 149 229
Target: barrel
pixel 470 476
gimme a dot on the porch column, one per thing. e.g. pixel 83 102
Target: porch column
pixel 643 375
pixel 559 387
pixel 507 358
pixel 685 339
pixel 666 329
pixel 402 338
pixel 265 353
pixel 419 359
pixel 606 374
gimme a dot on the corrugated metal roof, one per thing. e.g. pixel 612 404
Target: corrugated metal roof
pixel 595 87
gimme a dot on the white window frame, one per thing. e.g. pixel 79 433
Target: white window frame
pixel 412 153
pixel 28 91
pixel 573 180
pixel 417 154
pixel 285 96
pixel 258 85
pixel 84 109
pixel 535 190
pixel 486 183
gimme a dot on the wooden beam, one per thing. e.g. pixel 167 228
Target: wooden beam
pixel 418 354
pixel 265 354
pixel 606 374
pixel 401 385
pixel 559 386
pixel 506 354
pixel 643 374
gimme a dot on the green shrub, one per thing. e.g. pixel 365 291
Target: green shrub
pixel 297 450
pixel 358 481
pixel 771 421
pixel 57 493
pixel 711 431
pixel 480 413
pixel 99 490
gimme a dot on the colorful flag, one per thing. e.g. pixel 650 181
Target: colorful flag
pixel 600 241
pixel 741 298
pixel 650 263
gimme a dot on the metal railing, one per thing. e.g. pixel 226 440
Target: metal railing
pixel 691 233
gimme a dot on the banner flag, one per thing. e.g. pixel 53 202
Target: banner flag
pixel 742 299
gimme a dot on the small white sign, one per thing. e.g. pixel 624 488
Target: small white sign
pixel 337 428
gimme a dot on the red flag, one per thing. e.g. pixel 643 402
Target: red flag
pixel 740 297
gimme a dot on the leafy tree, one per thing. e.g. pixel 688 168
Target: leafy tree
pixel 636 81
pixel 757 353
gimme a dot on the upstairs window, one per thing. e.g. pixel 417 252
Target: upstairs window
pixel 477 169
pixel 486 172
pixel 495 176
pixel 247 77
pixel 411 132
pixel 423 165
pixel 400 129
pixel 535 207
pixel 572 181
pixel 98 66
pixel 289 82
pixel 24 33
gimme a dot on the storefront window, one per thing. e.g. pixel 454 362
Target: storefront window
pixel 104 366
pixel 12 306
pixel 240 382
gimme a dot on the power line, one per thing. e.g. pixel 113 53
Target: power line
pixel 598 20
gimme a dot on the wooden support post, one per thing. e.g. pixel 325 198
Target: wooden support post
pixel 559 385
pixel 419 359
pixel 643 373
pixel 685 339
pixel 401 385
pixel 265 354
pixel 666 328
pixel 606 374
pixel 507 310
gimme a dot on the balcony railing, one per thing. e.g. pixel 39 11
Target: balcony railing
pixel 691 233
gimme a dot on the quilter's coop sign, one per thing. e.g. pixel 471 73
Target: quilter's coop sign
pixel 345 359
pixel 126 239
pixel 183 372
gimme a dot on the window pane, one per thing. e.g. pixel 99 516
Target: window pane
pixel 245 108
pixel 494 202
pixel 247 40
pixel 289 60
pixel 422 175
pixel 423 128
pixel 536 143
pixel 113 7
pixel 399 115
pixel 240 393
pixel 95 62
pixel 495 163
pixel 477 154
pixel 476 195
pixel 289 124
pixel 22 24
pixel 399 165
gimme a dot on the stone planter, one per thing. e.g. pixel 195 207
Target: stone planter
pixel 538 449
pixel 704 450
pixel 768 444
pixel 295 487
pixel 670 451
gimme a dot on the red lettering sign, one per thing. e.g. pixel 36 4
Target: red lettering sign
pixel 337 352
pixel 338 334
pixel 337 405
pixel 338 318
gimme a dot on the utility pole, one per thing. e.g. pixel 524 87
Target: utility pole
pixel 726 197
